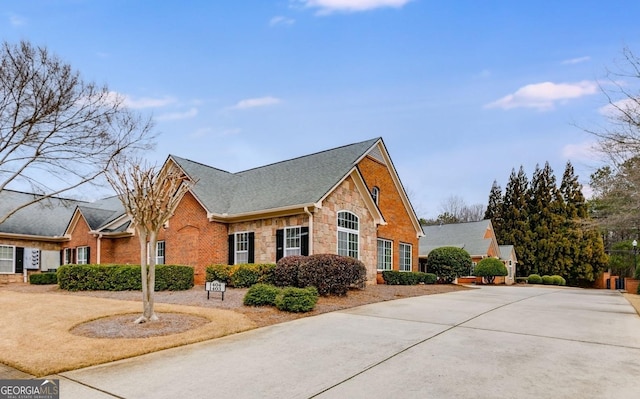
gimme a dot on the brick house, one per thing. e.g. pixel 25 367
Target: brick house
pixel 347 200
pixel 477 238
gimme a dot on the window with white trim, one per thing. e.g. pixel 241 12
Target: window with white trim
pixel 348 234
pixel 292 242
pixel 384 254
pixel 67 256
pixel 7 259
pixel 83 255
pixel 160 252
pixel 241 248
pixel 405 257
pixel 375 194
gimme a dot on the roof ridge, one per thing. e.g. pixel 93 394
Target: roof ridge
pixel 308 155
pixel 200 163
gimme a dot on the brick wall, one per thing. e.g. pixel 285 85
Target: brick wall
pixel 399 228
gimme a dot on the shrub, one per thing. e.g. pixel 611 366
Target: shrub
pixel 558 280
pixel 43 278
pixel 534 279
pixel 122 277
pixel 547 280
pixel 489 268
pixel 394 277
pixel 285 273
pixel 448 263
pixel 261 295
pixel 331 274
pixel 292 299
pixel 242 275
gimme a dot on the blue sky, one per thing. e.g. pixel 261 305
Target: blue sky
pixel 461 91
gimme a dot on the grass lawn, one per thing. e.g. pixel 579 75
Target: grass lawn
pixel 46 346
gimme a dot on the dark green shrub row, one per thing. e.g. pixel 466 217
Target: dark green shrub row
pixel 393 277
pixel 289 299
pixel 243 275
pixel 43 278
pixel 122 277
pixel 330 274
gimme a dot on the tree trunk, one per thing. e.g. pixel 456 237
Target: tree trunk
pixel 147 284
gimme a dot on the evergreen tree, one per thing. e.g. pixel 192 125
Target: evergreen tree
pixel 515 226
pixel 494 209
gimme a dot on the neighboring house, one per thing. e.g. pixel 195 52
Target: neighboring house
pixel 347 200
pixel 477 238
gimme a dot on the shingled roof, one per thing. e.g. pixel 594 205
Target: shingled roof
pixel 300 181
pixel 468 236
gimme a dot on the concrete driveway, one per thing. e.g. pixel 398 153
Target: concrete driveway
pixel 492 342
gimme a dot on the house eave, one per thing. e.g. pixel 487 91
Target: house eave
pixel 16 236
pixel 263 214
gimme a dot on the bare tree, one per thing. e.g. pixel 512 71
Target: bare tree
pixel 58 132
pixel 455 208
pixel 150 197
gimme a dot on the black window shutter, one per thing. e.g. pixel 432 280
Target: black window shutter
pixel 19 259
pixel 74 259
pixel 252 248
pixel 62 257
pixel 231 259
pixel 88 255
pixel 279 244
pixel 304 241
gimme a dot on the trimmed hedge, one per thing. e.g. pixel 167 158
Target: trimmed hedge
pixel 558 280
pixel 261 295
pixel 534 279
pixel 547 280
pixel 285 273
pixel 298 300
pixel 448 263
pixel 394 277
pixel 490 268
pixel 243 275
pixel 331 274
pixel 43 278
pixel 122 277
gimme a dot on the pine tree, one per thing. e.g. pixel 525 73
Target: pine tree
pixel 494 209
pixel 515 227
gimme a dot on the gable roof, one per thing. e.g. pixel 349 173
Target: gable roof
pixel 468 236
pixel 297 182
pixel 47 218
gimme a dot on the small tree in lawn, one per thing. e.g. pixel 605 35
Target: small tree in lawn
pixel 489 268
pixel 448 263
pixel 150 197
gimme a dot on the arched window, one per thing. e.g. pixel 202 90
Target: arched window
pixel 348 234
pixel 375 194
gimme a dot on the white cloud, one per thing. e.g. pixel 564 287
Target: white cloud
pixel 17 20
pixel 616 108
pixel 329 6
pixel 256 102
pixel 585 151
pixel 172 116
pixel 147 102
pixel 545 96
pixel 280 20
pixel 575 60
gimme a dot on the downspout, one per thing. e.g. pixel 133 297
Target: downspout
pixel 98 248
pixel 306 210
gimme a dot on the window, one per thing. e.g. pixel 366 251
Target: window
pixel 6 259
pixel 472 271
pixel 242 248
pixel 405 257
pixel 83 255
pixel 348 235
pixel 384 254
pixel 375 194
pixel 292 242
pixel 67 256
pixel 160 253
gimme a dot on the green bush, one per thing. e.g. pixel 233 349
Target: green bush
pixel 43 278
pixel 261 295
pixel 292 299
pixel 489 268
pixel 394 277
pixel 448 263
pixel 331 274
pixel 285 273
pixel 547 280
pixel 122 277
pixel 534 279
pixel 241 276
